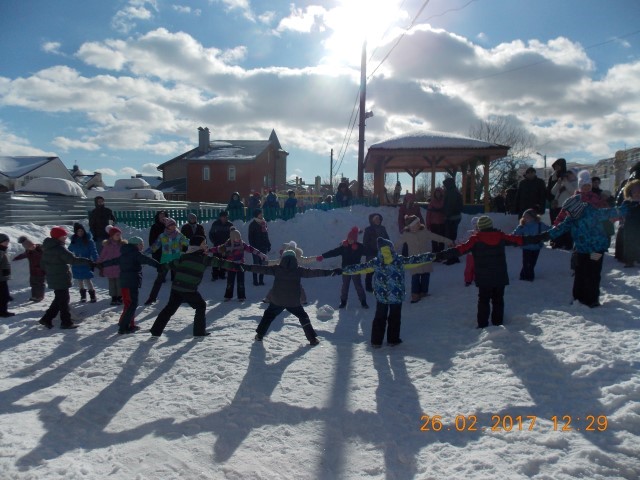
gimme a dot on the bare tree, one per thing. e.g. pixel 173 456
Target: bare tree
pixel 504 130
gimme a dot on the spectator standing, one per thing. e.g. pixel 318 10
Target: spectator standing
pixel 436 218
pixel 99 218
pixel 235 207
pixel 82 245
pixel 255 201
pixel 156 229
pixel 259 239
pixel 408 207
pixel 192 227
pixel 219 234
pixel 532 193
pixel 344 197
pixel 559 173
pixel 5 275
pixel 33 253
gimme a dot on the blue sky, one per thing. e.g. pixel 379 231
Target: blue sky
pixel 122 86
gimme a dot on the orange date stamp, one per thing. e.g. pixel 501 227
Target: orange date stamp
pixel 509 423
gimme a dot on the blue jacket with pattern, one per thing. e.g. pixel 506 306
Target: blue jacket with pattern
pixel 388 271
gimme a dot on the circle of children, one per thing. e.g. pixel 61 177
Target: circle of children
pixel 186 255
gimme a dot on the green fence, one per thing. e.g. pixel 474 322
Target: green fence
pixel 145 218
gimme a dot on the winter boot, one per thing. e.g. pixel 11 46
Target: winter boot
pixel 92 296
pixel 114 301
pixel 83 295
pixel 119 300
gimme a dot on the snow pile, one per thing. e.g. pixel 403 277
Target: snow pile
pixel 324 312
pixel 130 183
pixel 56 186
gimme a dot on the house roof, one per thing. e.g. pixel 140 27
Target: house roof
pixel 178 185
pixel 229 150
pixel 16 167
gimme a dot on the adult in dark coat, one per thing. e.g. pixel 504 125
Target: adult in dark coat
pixel 259 239
pixel 634 174
pixel 452 208
pixel 156 229
pixel 343 196
pixel 285 293
pixel 510 200
pixel 532 193
pixel 192 227
pixel 99 218
pixel 559 171
pixel 235 207
pixel 219 234
pixel 370 243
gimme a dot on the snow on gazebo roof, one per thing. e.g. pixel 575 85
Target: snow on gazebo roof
pixel 431 140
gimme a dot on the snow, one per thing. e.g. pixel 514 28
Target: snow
pixel 16 167
pixel 431 139
pixel 130 183
pixel 146 193
pixel 92 404
pixel 58 186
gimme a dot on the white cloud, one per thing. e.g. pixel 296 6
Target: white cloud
pixel 107 172
pixel 52 47
pixel 13 145
pixel 267 17
pixel 125 20
pixel 150 169
pixel 187 10
pixel 129 171
pixel 303 20
pixel 243 5
pixel 66 144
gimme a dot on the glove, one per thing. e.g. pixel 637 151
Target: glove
pixel 336 271
pixel 263 256
pixel 439 257
pixel 319 258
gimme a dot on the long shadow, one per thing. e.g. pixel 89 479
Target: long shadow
pixel 90 421
pixel 251 407
pixel 556 391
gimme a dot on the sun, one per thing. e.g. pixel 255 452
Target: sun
pixel 353 21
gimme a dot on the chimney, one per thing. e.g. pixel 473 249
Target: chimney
pixel 203 139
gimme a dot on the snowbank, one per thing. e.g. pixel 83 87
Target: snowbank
pixel 55 186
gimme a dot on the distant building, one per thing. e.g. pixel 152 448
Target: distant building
pixel 87 180
pixel 16 172
pixel 213 170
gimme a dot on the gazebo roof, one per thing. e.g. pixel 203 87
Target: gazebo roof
pixel 431 151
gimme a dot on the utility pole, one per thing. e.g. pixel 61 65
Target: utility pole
pixel 331 173
pixel 363 98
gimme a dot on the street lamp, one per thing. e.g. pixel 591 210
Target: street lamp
pixel 545 164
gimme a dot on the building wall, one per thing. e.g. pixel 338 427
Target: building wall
pixel 266 171
pixel 175 170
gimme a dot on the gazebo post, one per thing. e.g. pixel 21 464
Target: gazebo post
pixel 472 173
pixel 378 182
pixel 487 199
pixel 433 180
pixel 463 171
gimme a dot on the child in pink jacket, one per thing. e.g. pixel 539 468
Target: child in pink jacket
pixel 111 249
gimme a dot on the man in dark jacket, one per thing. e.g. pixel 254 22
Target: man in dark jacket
pixel 189 269
pixel 370 243
pixel 55 262
pixel 99 218
pixel 559 171
pixel 259 239
pixel 532 193
pixel 286 293
pixel 156 229
pixel 219 234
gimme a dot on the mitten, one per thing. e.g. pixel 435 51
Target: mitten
pixel 319 258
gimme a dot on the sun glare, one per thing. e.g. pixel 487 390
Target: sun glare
pixel 353 21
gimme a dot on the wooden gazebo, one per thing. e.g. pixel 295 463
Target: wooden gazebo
pixel 431 152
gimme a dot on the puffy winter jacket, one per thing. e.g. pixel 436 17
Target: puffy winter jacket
pixel 55 262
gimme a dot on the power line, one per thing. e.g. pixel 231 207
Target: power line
pixel 345 140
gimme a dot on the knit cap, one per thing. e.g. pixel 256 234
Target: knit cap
pixel 353 235
pixel 4 237
pixel 574 205
pixel 584 178
pixel 58 232
pixel 135 241
pixel 111 230
pixel 485 223
pixel 22 239
pixel 192 218
pixel 196 240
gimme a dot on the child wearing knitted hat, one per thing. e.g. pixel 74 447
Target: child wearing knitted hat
pixel 351 252
pixel 55 262
pixel 33 253
pixel 82 245
pixel 530 224
pixel 111 249
pixel 491 276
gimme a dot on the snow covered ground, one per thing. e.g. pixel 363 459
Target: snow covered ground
pixel 90 404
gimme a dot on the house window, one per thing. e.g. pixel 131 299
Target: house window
pixel 232 174
pixel 206 175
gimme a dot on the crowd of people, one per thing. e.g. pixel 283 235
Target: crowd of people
pixel 581 219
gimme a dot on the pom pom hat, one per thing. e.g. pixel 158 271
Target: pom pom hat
pixel 352 236
pixel 58 233
pixel 4 238
pixel 584 178
pixel 485 223
pixel 111 230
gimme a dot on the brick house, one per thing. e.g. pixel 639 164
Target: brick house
pixel 215 169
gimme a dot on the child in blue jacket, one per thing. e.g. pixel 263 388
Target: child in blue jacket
pixel 388 288
pixel 82 245
pixel 530 224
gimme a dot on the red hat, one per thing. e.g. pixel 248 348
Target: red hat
pixel 111 230
pixel 58 232
pixel 353 234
